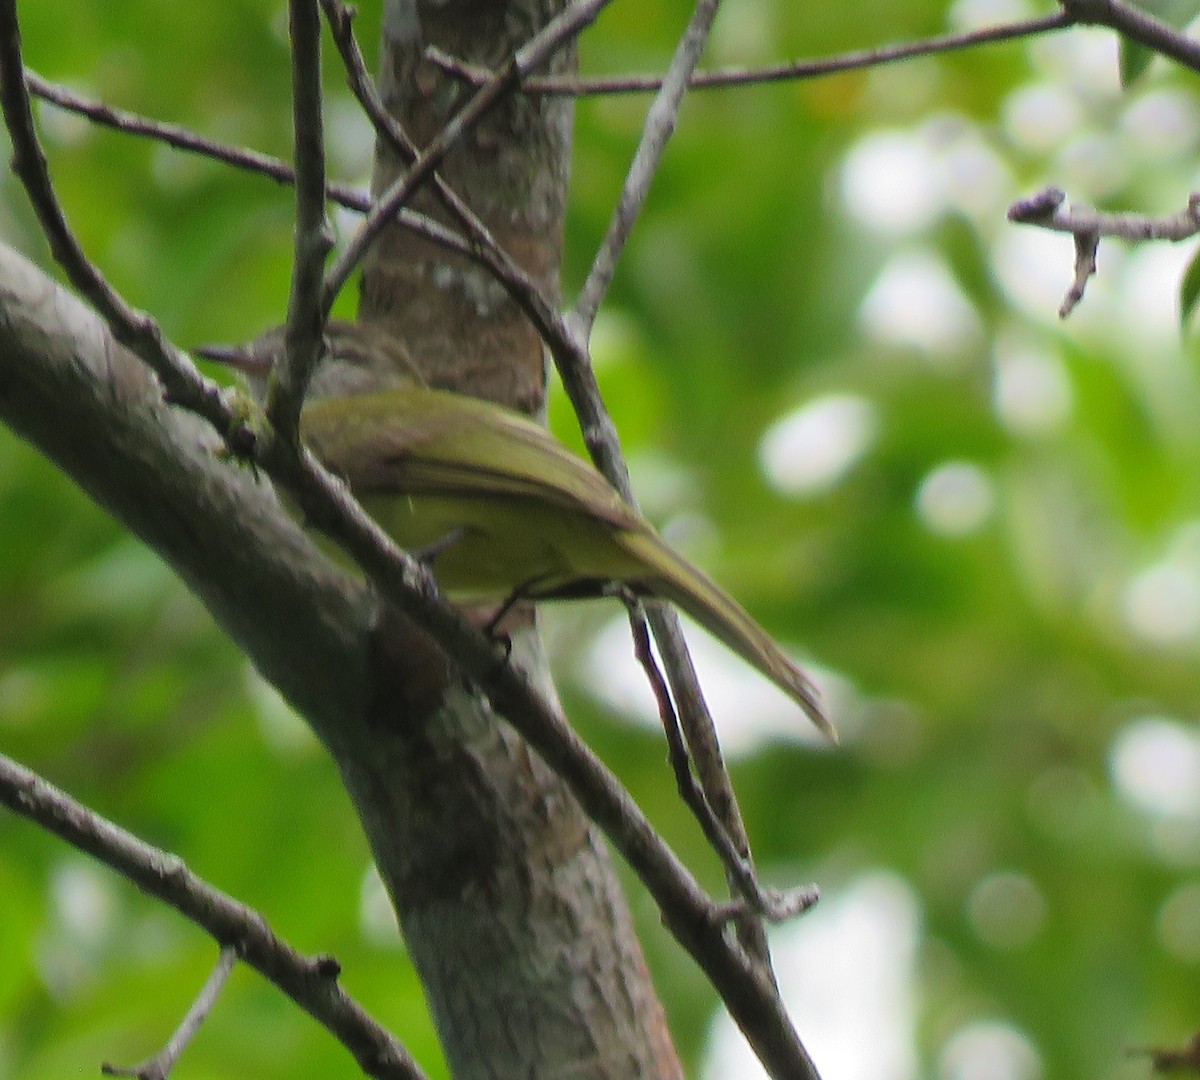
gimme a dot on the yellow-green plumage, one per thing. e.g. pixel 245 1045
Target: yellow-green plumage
pixel 522 514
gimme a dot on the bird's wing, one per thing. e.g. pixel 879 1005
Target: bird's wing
pixel 434 442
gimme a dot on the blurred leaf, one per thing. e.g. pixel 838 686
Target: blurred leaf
pixel 1135 57
pixel 1189 290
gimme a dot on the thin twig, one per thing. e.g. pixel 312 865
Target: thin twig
pixel 533 53
pixel 771 904
pixel 181 138
pixel 314 238
pixel 484 247
pixel 1048 209
pixel 580 382
pixel 1137 25
pixel 310 983
pixel 789 72
pixel 656 132
pixel 160 1065
pixel 273 168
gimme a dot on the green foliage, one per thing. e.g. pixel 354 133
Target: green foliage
pixel 1135 58
pixel 1003 570
pixel 1189 291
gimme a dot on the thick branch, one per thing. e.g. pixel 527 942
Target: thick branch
pixel 313 631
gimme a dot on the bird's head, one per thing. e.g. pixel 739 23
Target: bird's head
pixel 359 358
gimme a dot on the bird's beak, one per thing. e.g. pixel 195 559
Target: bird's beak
pixel 239 357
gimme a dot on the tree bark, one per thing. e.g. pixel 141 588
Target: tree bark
pixel 505 891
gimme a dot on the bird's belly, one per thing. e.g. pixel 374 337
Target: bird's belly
pixel 490 547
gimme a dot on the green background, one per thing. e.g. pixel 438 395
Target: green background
pixel 1017 686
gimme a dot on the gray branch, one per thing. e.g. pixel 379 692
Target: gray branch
pixel 310 983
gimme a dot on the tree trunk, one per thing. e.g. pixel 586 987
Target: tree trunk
pixel 504 890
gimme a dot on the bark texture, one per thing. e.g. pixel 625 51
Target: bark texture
pixel 505 891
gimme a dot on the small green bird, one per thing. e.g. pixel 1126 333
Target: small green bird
pixel 508 509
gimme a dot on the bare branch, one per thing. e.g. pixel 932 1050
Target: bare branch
pixel 310 983
pixel 770 904
pixel 659 126
pixel 314 238
pixel 1048 209
pixel 273 168
pixel 181 138
pixel 1138 26
pixel 159 1067
pixel 789 72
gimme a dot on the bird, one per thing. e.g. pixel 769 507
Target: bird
pixel 503 509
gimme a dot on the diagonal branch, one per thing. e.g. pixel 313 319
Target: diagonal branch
pixel 181 138
pixel 659 126
pixel 770 904
pixel 133 328
pixel 788 72
pixel 691 916
pixel 310 983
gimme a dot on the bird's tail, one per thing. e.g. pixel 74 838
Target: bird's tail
pixel 690 589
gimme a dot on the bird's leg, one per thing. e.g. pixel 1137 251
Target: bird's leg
pixel 492 627
pixel 429 554
pixel 525 591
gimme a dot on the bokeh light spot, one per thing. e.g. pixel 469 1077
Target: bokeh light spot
pixel 956 499
pixel 1179 923
pixel 1006 910
pixel 1155 764
pixel 808 451
pixel 989 1050
pixel 916 303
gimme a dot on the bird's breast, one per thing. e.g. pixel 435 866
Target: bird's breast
pixel 491 546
